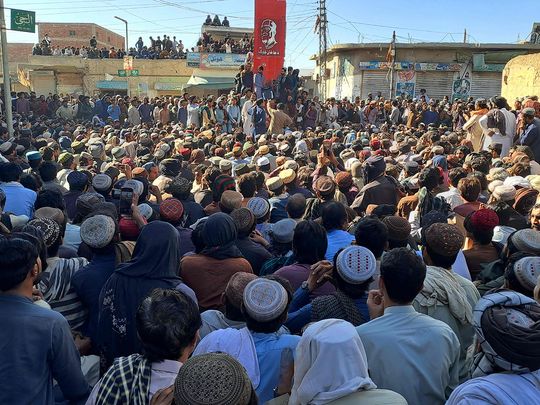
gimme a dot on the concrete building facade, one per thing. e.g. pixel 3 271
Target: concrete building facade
pixel 456 70
pixel 521 77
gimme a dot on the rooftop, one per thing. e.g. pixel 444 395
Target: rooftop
pixel 435 45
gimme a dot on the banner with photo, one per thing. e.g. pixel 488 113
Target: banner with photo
pixel 269 36
pixel 405 83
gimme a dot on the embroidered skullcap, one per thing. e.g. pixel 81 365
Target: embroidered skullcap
pixel 444 239
pixel 484 219
pixel 504 192
pixel 223 183
pixel 287 176
pixel 259 206
pixel 212 379
pixel 49 228
pixel 64 157
pixel 525 199
pixel 283 230
pixel 135 185
pixel 34 155
pixel 171 210
pixel 325 185
pixel 274 183
pixel 264 150
pixel 101 182
pixel 356 264
pixel 77 180
pixel 344 180
pixel 243 219
pixel 118 152
pixel 86 202
pixel 527 271
pixel 241 168
pixel 263 161
pixel 236 286
pixel 347 154
pixel 225 165
pixel 501 233
pixel 290 164
pixel 517 181
pixel 139 171
pixel 179 185
pixel 98 231
pixel 231 200
pixel 145 210
pixel 399 228
pixel 437 150
pixel 265 300
pixel 527 240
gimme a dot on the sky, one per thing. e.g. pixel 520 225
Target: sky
pixel 349 21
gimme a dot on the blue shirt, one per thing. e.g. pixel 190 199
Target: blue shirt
pixel 114 112
pixel 269 347
pixel 337 239
pixel 278 208
pixel 181 117
pixel 145 111
pixel 19 200
pixel 36 346
pixel 88 282
pixel 300 310
pixel 404 345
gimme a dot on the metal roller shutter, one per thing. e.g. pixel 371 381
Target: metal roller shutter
pixel 437 84
pixel 486 84
pixel 375 81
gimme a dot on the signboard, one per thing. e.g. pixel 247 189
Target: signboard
pixel 23 20
pixel 128 62
pixel 269 36
pixel 193 59
pixel 406 81
pixel 111 84
pixel 126 73
pixel 421 66
pixel 215 60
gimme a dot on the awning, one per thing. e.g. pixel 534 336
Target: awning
pixel 214 83
pixel 177 83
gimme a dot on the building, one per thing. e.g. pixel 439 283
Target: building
pixel 521 77
pixel 456 70
pixel 220 32
pixel 79 34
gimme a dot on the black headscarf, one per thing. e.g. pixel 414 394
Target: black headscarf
pixel 154 264
pixel 219 233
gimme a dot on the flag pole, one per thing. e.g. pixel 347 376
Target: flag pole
pixel 392 68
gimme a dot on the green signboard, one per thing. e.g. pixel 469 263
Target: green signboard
pixel 126 73
pixel 23 20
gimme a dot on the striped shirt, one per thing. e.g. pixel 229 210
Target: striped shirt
pixel 58 291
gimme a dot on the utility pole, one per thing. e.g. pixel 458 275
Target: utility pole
pixel 393 62
pixel 126 52
pixel 5 71
pixel 465 36
pixel 323 47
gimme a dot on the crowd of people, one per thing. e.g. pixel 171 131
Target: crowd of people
pixel 281 250
pixel 159 48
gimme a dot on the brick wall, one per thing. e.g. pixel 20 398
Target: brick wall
pixel 19 52
pixel 79 34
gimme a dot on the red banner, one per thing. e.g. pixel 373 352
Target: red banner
pixel 269 37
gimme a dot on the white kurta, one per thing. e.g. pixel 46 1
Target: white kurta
pixel 246 117
pixel 505 140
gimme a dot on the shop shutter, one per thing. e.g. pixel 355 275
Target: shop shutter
pixel 375 81
pixel 437 84
pixel 486 84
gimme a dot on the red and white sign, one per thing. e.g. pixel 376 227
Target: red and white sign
pixel 269 38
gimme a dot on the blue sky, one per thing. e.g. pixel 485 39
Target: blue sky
pixel 348 20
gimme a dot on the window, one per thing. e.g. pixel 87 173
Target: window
pixel 108 39
pixel 72 33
